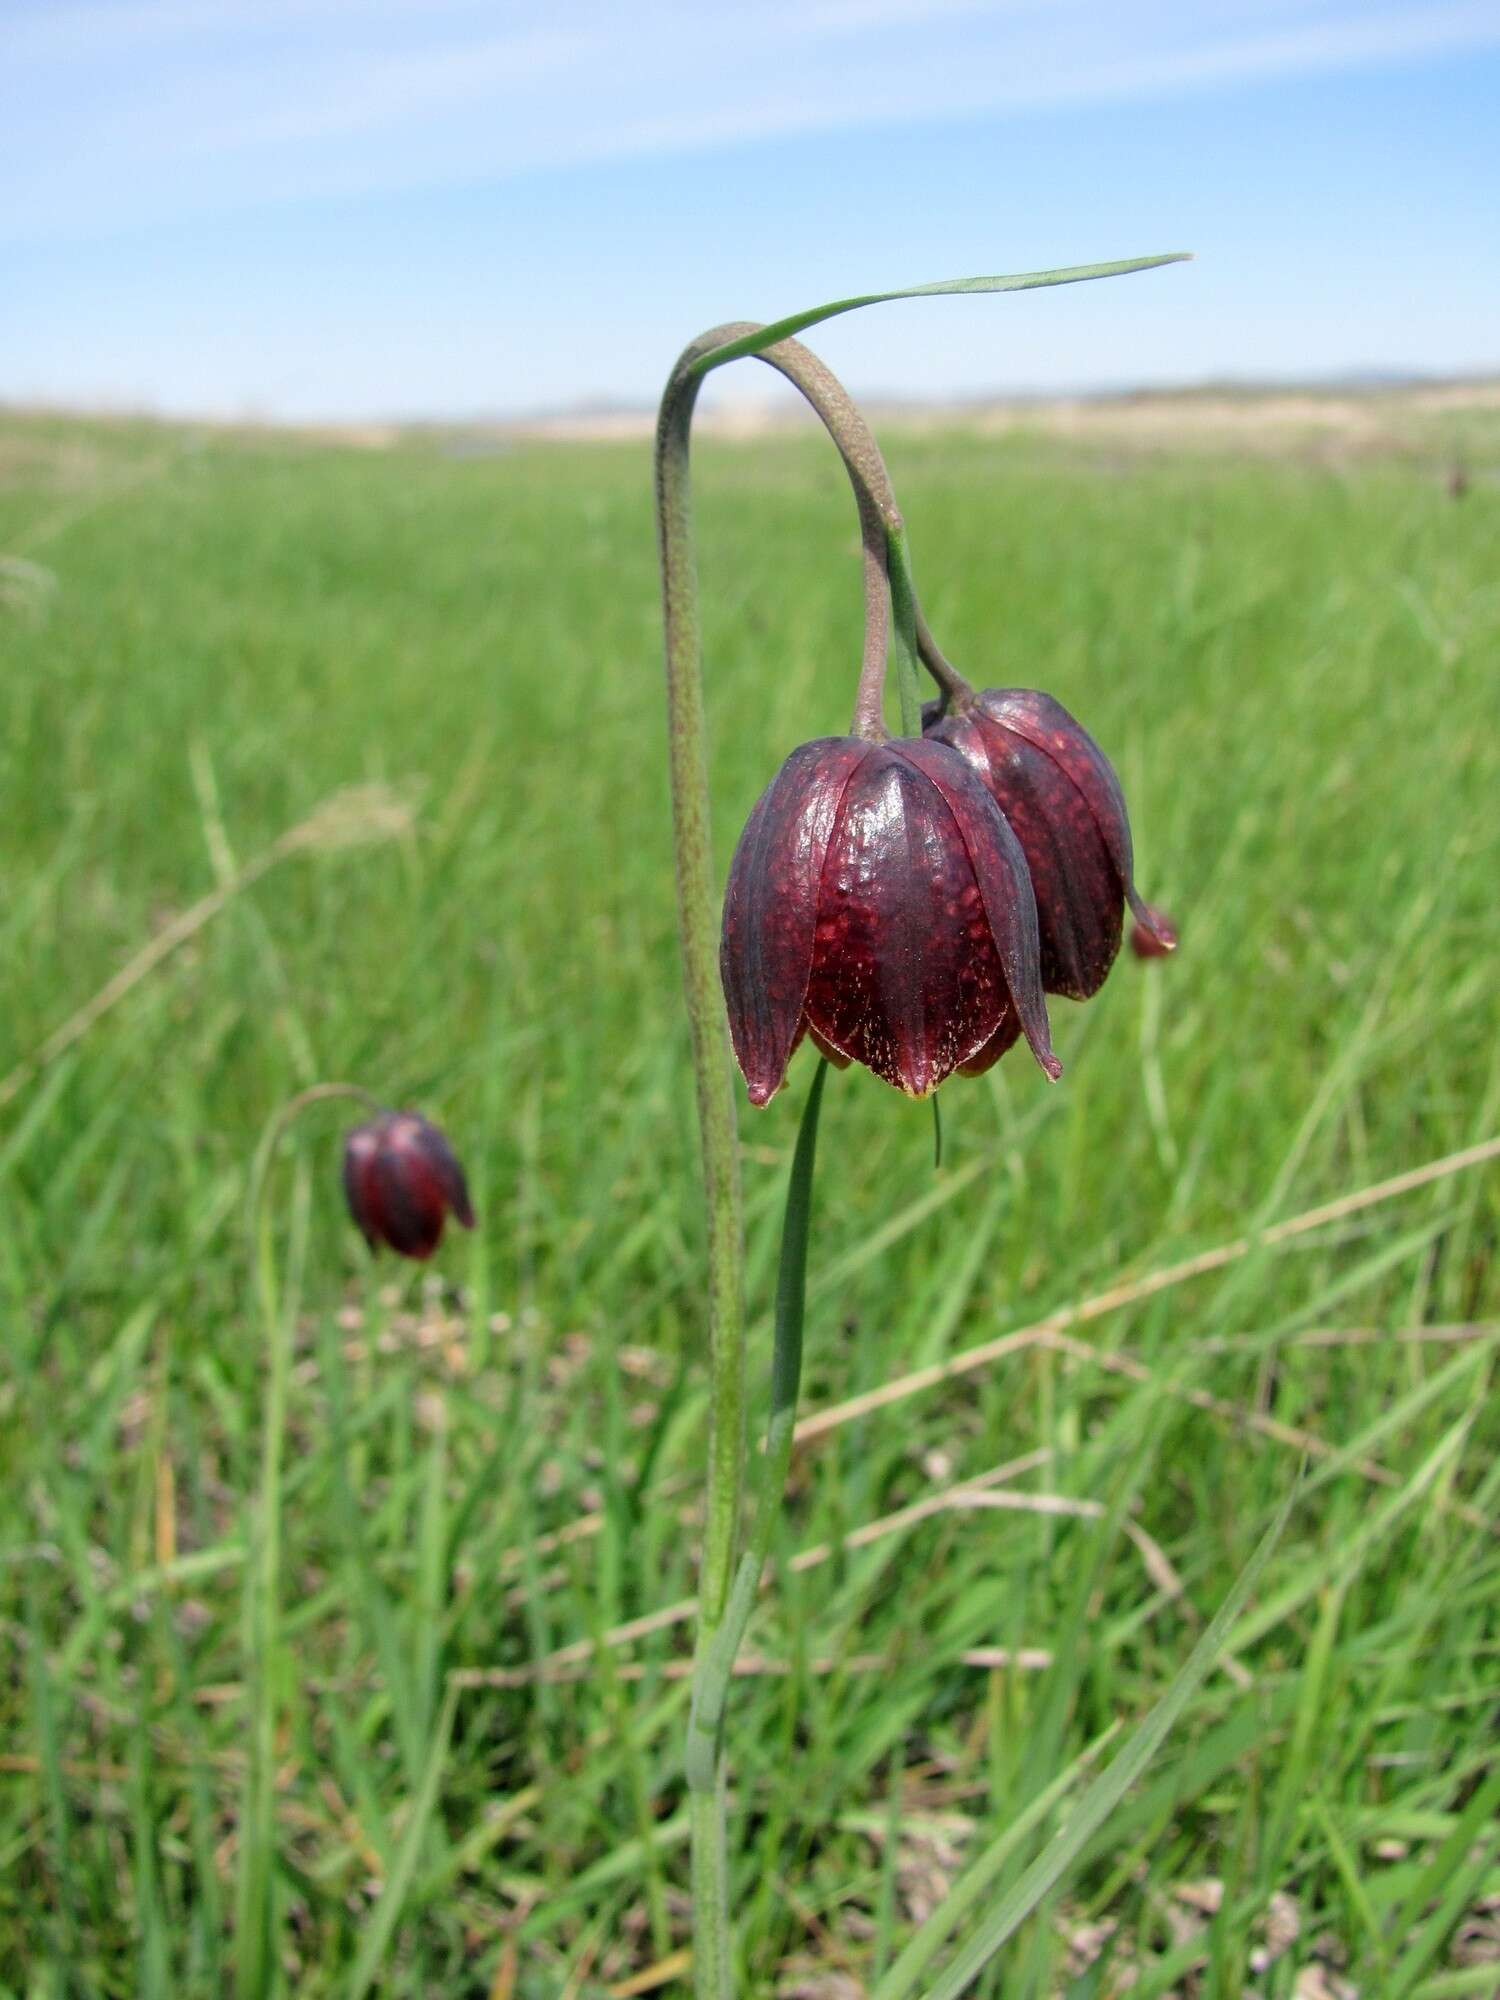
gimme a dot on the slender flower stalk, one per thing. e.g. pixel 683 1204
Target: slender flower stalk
pixel 887 575
pixel 254 1920
pixel 713 1068
pixel 402 1204
pixel 696 914
pixel 698 934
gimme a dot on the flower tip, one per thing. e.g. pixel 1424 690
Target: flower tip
pixel 1153 934
pixel 1039 1041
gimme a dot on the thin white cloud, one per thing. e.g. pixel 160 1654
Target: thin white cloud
pixel 395 89
pixel 154 111
pixel 857 16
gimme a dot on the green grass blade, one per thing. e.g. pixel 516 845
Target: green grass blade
pixel 971 1885
pixel 255 1888
pixel 1448 1883
pixel 1345 1558
pixel 1111 1786
pixel 387 1912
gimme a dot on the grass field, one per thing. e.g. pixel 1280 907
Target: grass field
pixel 496 1462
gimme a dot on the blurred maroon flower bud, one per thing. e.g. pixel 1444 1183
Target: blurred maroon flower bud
pixel 1059 792
pixel 1158 940
pixel 878 901
pixel 401 1179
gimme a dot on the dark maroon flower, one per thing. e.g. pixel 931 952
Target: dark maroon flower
pixel 1061 796
pixel 401 1179
pixel 878 901
pixel 1156 940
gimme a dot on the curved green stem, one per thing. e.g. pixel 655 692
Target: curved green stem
pixel 914 640
pixel 879 516
pixel 712 1067
pixel 957 693
pixel 696 905
pixel 698 935
pixel 255 1945
pixel 905 615
pixel 887 558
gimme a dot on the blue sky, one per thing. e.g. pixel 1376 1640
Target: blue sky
pixel 346 208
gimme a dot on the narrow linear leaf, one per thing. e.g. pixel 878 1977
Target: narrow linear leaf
pixel 1024 281
pixel 971 1885
pixel 1450 1881
pixel 387 1912
pixel 1344 1558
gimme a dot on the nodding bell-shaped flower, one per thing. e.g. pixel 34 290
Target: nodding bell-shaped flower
pixel 1061 796
pixel 401 1180
pixel 879 902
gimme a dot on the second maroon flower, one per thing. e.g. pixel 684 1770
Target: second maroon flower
pixel 1059 792
pixel 879 901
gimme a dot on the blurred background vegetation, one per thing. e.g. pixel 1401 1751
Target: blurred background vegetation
pixel 1288 648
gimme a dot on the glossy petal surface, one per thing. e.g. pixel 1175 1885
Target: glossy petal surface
pixel 1004 882
pixel 771 906
pixel 1063 801
pixel 905 975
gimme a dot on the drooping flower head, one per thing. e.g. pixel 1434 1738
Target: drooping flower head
pixel 878 901
pixel 1059 792
pixel 401 1180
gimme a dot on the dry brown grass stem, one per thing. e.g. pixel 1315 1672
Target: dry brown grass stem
pixel 581 1651
pixel 1136 1289
pixel 749 1666
pixel 61 519
pixel 1457 1333
pixel 1292 1435
pixel 985 1490
pixel 988 1352
pixel 573 1661
pixel 345 818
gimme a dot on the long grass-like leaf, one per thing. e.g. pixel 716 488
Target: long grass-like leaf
pixel 1023 281
pixel 387 1912
pixel 971 1885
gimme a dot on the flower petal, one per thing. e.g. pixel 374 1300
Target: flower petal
pixel 444 1165
pixel 409 1190
pixel 1060 793
pixel 771 906
pixel 905 976
pixel 1005 1037
pixel 360 1150
pixel 1004 884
